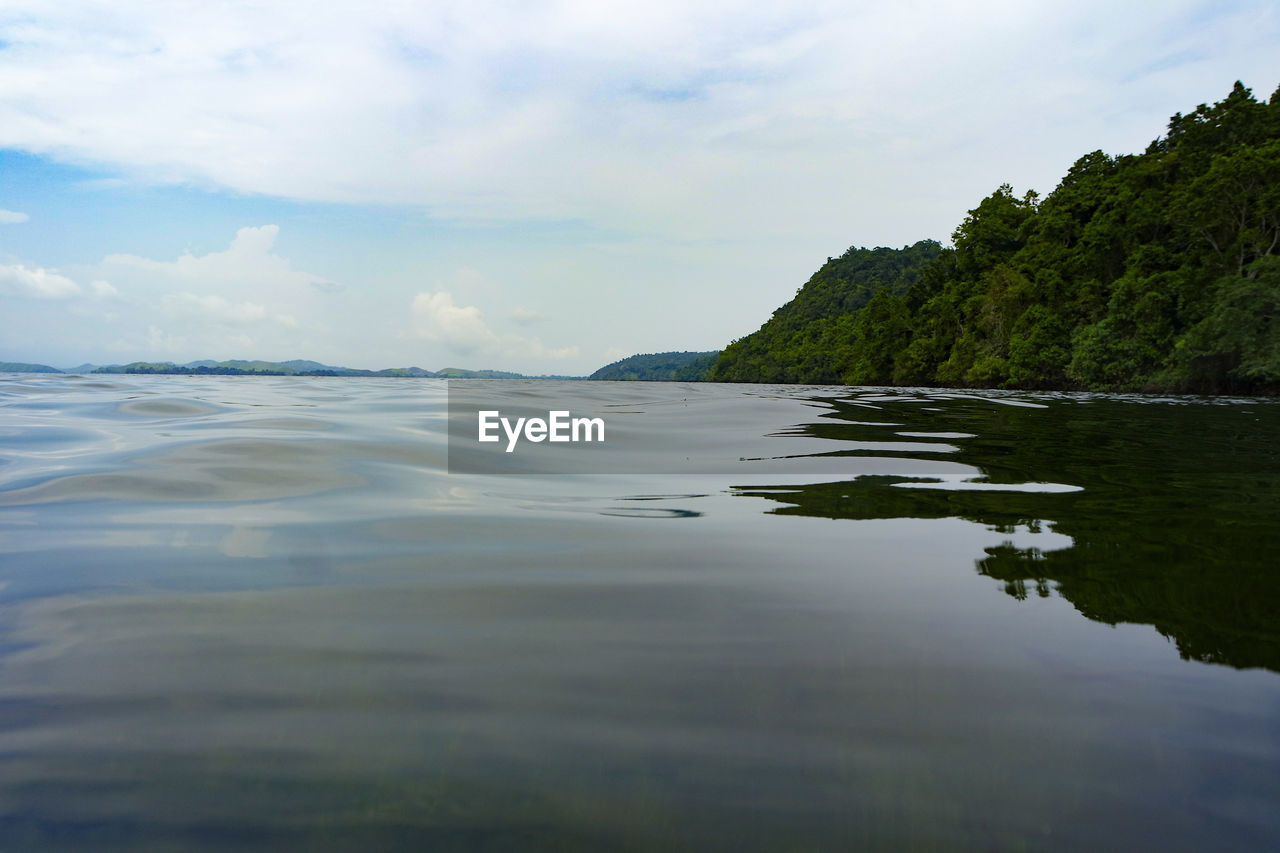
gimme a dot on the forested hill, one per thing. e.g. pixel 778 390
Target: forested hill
pixel 660 367
pixel 1155 271
pixel 808 337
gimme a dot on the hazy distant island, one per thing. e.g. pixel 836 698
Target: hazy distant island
pixel 653 367
pixel 23 367
pixel 240 367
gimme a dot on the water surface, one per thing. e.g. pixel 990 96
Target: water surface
pixel 260 612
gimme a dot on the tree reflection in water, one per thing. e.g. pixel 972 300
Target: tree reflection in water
pixel 1176 523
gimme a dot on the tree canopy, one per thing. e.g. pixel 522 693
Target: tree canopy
pixel 660 367
pixel 1153 271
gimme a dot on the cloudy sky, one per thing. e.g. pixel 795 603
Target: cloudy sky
pixel 533 186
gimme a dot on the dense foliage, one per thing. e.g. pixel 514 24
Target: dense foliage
pixel 1152 271
pixel 660 367
pixel 813 337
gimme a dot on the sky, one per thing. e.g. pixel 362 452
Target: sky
pixel 541 187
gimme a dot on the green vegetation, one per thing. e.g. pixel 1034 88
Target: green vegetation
pixel 660 367
pixel 822 335
pixel 23 367
pixel 1156 271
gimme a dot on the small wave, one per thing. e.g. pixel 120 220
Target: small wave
pixel 650 512
pixel 173 408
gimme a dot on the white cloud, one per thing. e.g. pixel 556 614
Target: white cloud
pixel 246 301
pixel 460 327
pixel 162 343
pixel 244 285
pixel 527 317
pixel 12 217
pixel 215 308
pixel 39 283
pixel 740 118
pixel 248 261
pixel 534 348
pixel 436 317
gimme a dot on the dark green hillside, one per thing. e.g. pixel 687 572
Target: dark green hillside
pixel 660 367
pixel 811 339
pixel 1154 271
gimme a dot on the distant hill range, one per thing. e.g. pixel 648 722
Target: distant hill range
pixel 653 367
pixel 22 367
pixel 660 367
pixel 240 367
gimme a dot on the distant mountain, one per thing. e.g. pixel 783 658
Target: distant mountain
pixel 219 368
pixel 23 367
pixel 660 367
pixel 415 372
pixel 244 367
pixel 459 373
pixel 303 366
pixel 297 366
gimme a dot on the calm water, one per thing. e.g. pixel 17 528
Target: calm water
pixel 260 613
